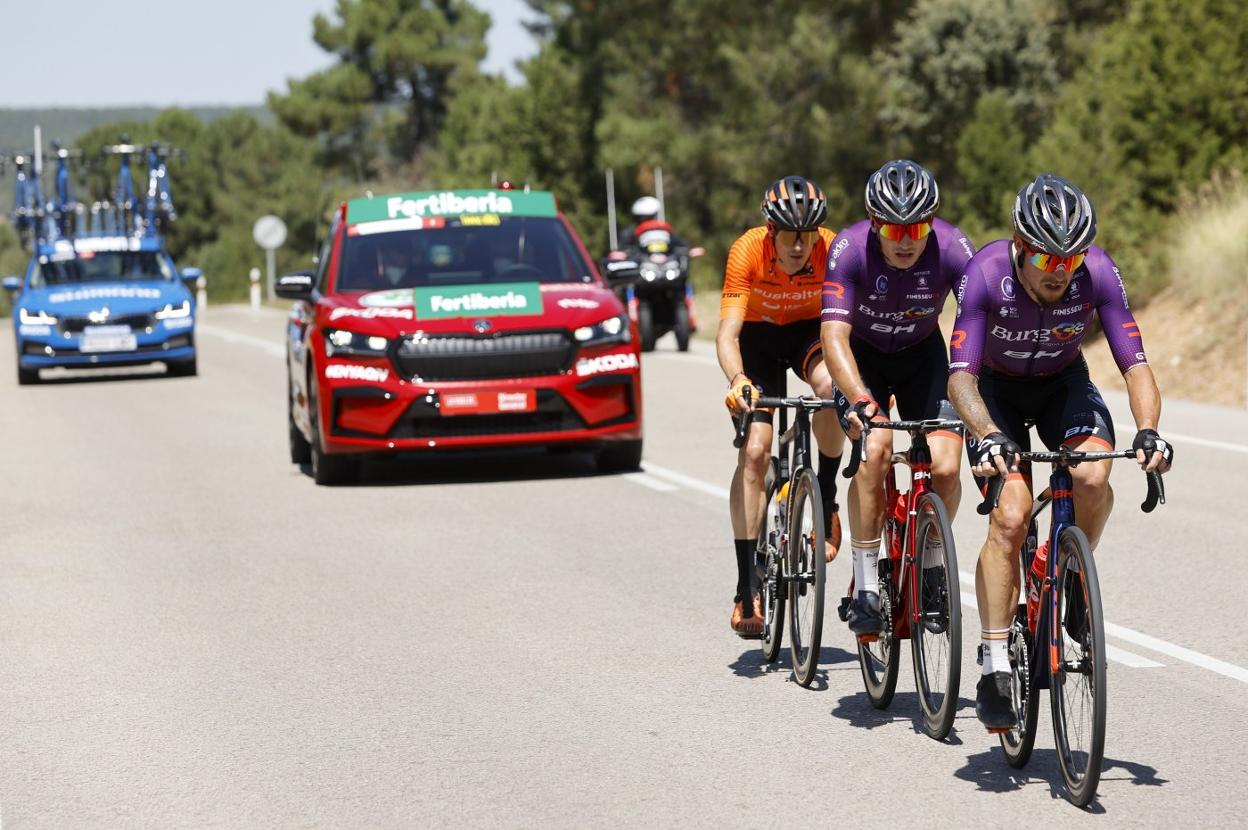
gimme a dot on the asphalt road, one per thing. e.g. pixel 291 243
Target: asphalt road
pixel 195 634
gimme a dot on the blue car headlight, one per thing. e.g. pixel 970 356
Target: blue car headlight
pixel 609 331
pixel 171 311
pixel 341 341
pixel 35 318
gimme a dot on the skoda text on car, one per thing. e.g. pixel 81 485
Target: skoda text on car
pixel 456 320
pixel 102 301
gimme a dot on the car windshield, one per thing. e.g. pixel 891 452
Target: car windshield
pixel 462 251
pixel 108 266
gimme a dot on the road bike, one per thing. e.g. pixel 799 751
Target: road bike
pixel 128 214
pixel 28 207
pixel 920 598
pixel 158 204
pixel 789 560
pixel 1057 639
pixel 63 209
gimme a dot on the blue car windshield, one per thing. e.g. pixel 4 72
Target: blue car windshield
pixel 108 266
pixel 462 251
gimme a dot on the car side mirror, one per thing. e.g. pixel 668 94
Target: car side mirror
pixel 12 284
pixel 190 277
pixel 295 286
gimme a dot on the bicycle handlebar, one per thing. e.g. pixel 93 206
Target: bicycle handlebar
pixel 808 403
pixel 924 426
pixel 1070 458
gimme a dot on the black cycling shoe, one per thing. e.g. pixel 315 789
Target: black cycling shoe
pixel 935 601
pixel 994 701
pixel 864 613
pixel 1076 617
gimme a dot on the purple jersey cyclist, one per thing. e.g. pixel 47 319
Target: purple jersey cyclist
pixel 886 282
pixel 1024 307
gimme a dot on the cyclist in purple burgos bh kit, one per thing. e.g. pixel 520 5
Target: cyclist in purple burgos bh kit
pixel 1024 307
pixel 886 282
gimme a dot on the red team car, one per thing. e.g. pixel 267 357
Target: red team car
pixel 457 320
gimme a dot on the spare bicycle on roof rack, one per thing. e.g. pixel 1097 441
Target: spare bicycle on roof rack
pixel 101 288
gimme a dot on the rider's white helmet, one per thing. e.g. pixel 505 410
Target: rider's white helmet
pixel 647 207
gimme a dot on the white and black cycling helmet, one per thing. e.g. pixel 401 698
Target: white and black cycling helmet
pixel 795 203
pixel 647 207
pixel 1054 216
pixel 902 192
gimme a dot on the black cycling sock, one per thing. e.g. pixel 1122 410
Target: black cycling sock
pixel 745 555
pixel 829 466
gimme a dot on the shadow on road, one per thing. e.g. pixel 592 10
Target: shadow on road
pixel 989 772
pixel 472 467
pixel 751 664
pixel 858 711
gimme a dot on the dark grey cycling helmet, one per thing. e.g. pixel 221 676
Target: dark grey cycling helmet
pixel 1054 216
pixel 902 192
pixel 795 203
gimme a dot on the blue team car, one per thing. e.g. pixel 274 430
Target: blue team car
pixel 103 301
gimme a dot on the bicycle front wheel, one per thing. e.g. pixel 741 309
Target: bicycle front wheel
pixel 879 659
pixel 1077 689
pixel 806 575
pixel 936 637
pixel 1018 742
pixel 770 567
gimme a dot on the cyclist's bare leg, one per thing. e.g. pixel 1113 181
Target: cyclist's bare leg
pixel 997 574
pixel 946 466
pixel 1094 498
pixel 746 499
pixel 830 439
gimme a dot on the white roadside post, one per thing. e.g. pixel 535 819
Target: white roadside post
pixel 255 289
pixel 269 233
pixel 201 293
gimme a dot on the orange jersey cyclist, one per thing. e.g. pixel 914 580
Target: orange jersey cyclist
pixel 1024 307
pixel 769 324
pixel 888 278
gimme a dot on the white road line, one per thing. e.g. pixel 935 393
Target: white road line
pixel 688 481
pixel 651 482
pixel 271 348
pixel 1127 658
pixel 1129 429
pixel 1185 654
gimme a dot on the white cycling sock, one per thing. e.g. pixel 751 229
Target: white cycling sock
pixel 995 644
pixel 866 565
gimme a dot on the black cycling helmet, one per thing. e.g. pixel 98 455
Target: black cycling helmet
pixel 795 203
pixel 902 192
pixel 1054 216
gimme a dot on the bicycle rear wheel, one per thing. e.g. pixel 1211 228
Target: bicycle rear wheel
pixel 1018 742
pixel 880 658
pixel 806 574
pixel 770 567
pixel 936 639
pixel 1077 689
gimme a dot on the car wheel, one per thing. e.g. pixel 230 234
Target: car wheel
pixel 184 368
pixel 328 470
pixel 26 377
pixel 300 449
pixel 620 457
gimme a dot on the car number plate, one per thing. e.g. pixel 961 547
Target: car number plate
pixel 107 339
pixel 487 403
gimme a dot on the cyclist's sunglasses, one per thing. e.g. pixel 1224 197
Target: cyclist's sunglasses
pixel 896 233
pixel 1051 262
pixel 788 239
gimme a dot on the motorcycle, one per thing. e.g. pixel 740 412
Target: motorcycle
pixel 652 279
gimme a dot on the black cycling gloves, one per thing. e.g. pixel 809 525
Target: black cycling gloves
pixel 1149 441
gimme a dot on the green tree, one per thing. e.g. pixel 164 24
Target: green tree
pixel 399 63
pixel 992 161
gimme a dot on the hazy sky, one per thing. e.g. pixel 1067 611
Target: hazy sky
pixel 218 52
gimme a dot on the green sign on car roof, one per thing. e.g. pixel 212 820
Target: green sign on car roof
pixel 445 203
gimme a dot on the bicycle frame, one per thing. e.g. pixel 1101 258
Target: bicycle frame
pixel 904 566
